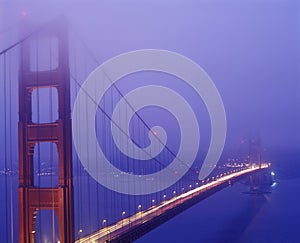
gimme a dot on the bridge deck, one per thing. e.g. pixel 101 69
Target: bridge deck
pixel 133 227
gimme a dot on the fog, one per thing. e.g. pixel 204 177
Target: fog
pixel 250 49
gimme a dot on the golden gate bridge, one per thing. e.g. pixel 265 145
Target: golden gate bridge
pixel 54 190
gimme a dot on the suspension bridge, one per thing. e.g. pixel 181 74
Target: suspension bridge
pixel 133 227
pixel 58 199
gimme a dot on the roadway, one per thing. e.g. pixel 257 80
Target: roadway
pixel 115 231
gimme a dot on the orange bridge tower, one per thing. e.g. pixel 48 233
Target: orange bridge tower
pixel 33 198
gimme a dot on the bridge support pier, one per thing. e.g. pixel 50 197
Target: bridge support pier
pixel 256 182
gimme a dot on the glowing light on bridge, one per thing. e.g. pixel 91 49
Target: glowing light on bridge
pixel 148 214
pixel 139 207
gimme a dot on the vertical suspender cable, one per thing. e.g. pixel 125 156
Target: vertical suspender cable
pixel 98 220
pixel 38 144
pixel 10 156
pixel 5 143
pixel 52 174
pixel 88 178
pixel 78 168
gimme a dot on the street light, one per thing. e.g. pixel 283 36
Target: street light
pixel 153 201
pixel 79 232
pixel 164 197
pixel 139 209
pixel 104 222
pixel 123 215
pixel 174 193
